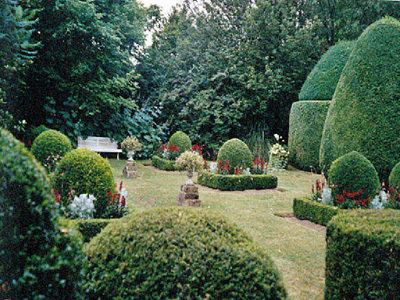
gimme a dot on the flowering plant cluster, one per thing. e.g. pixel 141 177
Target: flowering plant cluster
pixel 170 152
pixel 117 203
pixel 82 207
pixel 198 149
pixel 278 157
pixel 226 169
pixel 279 151
pixel 131 143
pixel 51 161
pixel 189 161
pixel 258 166
pixel 348 200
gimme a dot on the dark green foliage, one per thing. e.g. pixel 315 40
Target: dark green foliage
pixel 163 164
pixel 236 153
pixel 306 209
pixel 362 259
pixel 181 140
pixel 35 132
pixel 37 260
pixel 352 173
pixel 306 122
pixel 178 253
pixel 88 228
pixel 49 147
pixel 364 113
pixel 237 182
pixel 321 82
pixel 85 172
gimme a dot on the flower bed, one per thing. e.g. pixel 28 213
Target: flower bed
pixel 237 182
pixel 307 209
pixel 163 164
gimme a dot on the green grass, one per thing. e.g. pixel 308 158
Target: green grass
pixel 298 251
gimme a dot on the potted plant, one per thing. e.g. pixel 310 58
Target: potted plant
pixel 130 145
pixel 190 162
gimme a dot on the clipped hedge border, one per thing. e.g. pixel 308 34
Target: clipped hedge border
pixel 362 258
pixel 163 164
pixel 306 209
pixel 237 182
pixel 88 228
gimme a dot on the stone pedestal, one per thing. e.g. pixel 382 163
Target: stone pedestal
pixel 189 195
pixel 130 169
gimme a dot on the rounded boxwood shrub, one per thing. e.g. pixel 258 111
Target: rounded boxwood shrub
pixel 181 140
pixel 322 80
pixel 178 253
pixel 306 122
pixel 236 154
pixel 362 256
pixel 49 147
pixel 38 260
pixel 85 172
pixel 394 178
pixel 350 174
pixel 365 109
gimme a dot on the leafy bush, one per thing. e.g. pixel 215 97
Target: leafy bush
pixel 35 132
pixel 88 228
pixel 49 147
pixel 322 80
pixel 189 161
pixel 353 178
pixel 237 182
pixel 365 109
pixel 178 253
pixel 85 172
pixel 306 122
pixel 306 209
pixel 362 258
pixel 181 140
pixel 38 261
pixel 235 154
pixel 163 164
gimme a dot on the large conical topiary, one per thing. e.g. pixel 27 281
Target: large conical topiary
pixel 306 123
pixel 322 80
pixel 364 113
pixel 37 259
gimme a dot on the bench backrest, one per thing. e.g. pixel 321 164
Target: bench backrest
pixel 97 143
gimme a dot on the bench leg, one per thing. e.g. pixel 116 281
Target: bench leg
pixel 117 156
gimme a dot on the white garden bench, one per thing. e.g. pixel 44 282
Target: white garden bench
pixel 99 144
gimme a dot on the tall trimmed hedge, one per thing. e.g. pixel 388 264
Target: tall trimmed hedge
pixel 179 253
pixel 321 82
pixel 306 122
pixel 362 258
pixel 37 259
pixel 364 113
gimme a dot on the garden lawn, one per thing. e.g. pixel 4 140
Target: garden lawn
pixel 298 251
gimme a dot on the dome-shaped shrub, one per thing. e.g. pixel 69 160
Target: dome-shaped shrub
pixel 365 109
pixel 49 147
pixel 236 153
pixel 37 260
pixel 353 176
pixel 394 178
pixel 306 122
pixel 322 80
pixel 85 172
pixel 179 253
pixel 181 140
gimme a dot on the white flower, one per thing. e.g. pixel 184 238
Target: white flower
pixel 83 206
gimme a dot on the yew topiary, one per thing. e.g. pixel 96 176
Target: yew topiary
pixel 322 80
pixel 364 113
pixel 181 140
pixel 85 172
pixel 37 259
pixel 394 178
pixel 234 154
pixel 353 174
pixel 49 147
pixel 306 122
pixel 179 253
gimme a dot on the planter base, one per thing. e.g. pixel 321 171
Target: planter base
pixel 130 169
pixel 189 195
